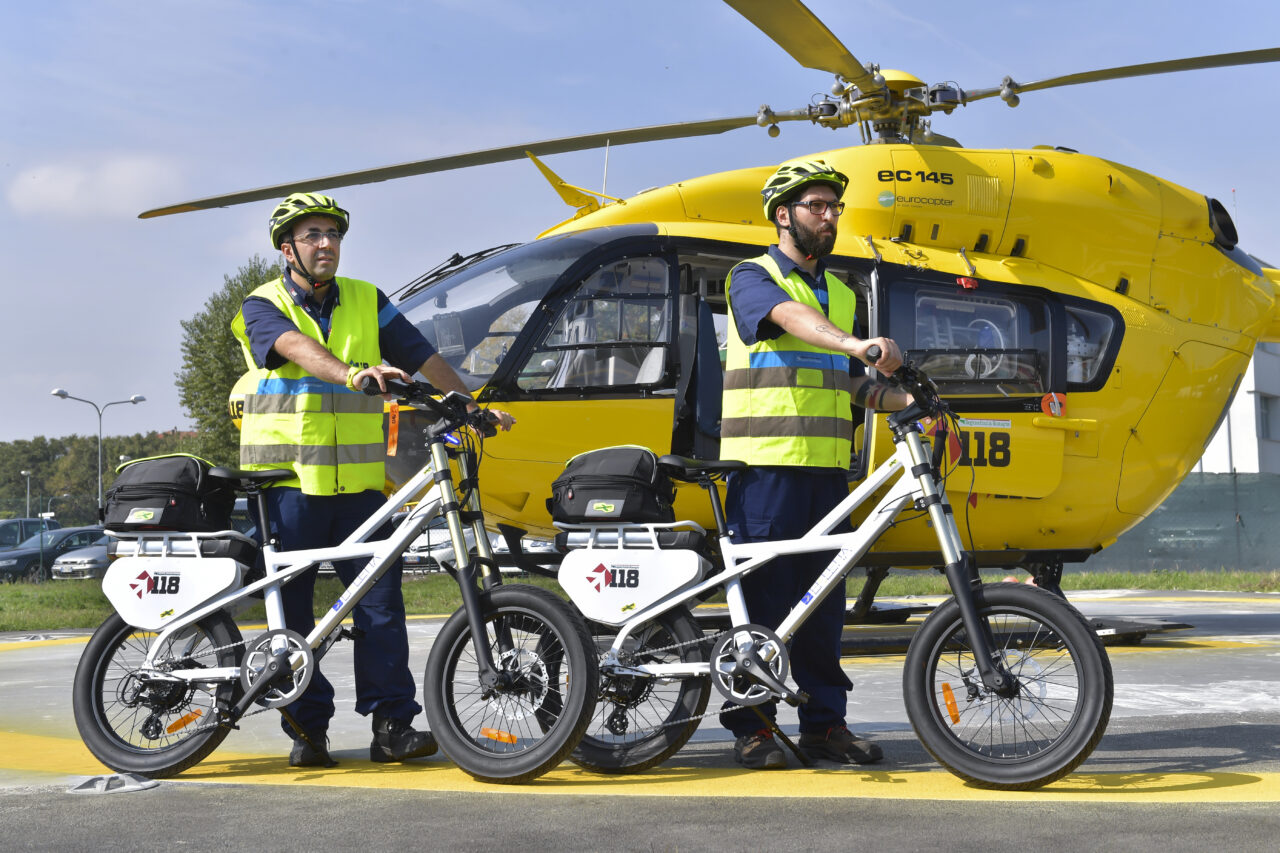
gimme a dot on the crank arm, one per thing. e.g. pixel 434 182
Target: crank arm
pixel 276 667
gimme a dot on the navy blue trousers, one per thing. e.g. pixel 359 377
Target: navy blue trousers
pixel 783 503
pixel 384 684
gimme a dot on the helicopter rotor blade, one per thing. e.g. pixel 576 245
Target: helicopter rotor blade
pixel 1219 60
pixel 652 133
pixel 800 33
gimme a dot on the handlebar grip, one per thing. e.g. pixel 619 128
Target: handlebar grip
pixel 873 353
pixel 394 386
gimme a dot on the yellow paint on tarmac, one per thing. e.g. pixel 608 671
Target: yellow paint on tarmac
pixel 37 754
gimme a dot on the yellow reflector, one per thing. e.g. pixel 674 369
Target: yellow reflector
pixel 950 699
pixel 499 736
pixel 184 721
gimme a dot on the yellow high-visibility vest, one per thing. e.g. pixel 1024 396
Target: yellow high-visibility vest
pixel 330 436
pixel 786 402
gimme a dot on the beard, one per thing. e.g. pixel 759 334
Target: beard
pixel 814 242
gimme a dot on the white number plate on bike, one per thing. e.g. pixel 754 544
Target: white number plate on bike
pixel 611 585
pixel 148 592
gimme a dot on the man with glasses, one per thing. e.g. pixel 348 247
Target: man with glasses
pixel 312 339
pixel 788 392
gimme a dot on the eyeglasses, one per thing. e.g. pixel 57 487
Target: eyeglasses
pixel 314 238
pixel 818 207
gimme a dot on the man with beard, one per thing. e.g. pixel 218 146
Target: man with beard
pixel 788 391
pixel 312 340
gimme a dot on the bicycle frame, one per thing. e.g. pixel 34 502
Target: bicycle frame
pixel 284 566
pixel 917 485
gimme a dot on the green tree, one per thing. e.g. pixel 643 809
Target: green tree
pixel 212 362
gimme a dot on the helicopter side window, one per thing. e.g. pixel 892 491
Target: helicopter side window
pixel 974 342
pixel 615 330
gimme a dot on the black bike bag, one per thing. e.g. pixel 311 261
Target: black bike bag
pixel 172 492
pixel 612 484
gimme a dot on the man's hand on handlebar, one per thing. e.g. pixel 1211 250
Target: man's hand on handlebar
pixel 378 375
pixel 881 353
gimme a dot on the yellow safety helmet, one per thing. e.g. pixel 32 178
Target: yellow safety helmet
pixel 793 176
pixel 297 206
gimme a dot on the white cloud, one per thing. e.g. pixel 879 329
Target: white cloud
pixel 114 186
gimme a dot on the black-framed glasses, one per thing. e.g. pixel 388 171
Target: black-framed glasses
pixel 818 207
pixel 314 238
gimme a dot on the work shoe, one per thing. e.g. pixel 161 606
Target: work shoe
pixel 304 754
pixel 396 740
pixel 759 751
pixel 840 744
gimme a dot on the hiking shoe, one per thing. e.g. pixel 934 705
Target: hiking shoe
pixel 840 744
pixel 304 754
pixel 396 740
pixel 759 751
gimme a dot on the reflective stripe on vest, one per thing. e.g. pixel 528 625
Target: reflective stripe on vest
pixel 329 436
pixel 786 402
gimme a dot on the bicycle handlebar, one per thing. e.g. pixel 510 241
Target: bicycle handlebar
pixel 914 381
pixel 451 407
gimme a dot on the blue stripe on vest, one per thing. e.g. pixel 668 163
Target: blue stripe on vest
pixel 792 359
pixel 305 385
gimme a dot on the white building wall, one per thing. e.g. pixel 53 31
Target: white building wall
pixel 1248 440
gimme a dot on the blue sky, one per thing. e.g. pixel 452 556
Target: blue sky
pixel 116 106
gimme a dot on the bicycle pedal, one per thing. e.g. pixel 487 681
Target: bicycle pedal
pixel 796 699
pixel 350 634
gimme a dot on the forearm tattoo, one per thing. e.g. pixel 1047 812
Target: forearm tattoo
pixel 833 332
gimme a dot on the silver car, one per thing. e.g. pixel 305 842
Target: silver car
pixel 88 562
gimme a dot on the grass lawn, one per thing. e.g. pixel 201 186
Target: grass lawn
pixel 58 605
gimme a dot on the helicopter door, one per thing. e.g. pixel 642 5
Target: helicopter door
pixel 599 374
pixel 994 355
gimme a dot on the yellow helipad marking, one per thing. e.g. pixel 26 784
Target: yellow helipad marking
pixel 39 754
pixel 35 644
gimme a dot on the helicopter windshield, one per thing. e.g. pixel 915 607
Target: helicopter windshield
pixel 474 316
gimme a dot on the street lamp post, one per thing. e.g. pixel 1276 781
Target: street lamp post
pixel 49 509
pixel 135 399
pixel 27 474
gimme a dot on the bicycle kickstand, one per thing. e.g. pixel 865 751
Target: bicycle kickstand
pixel 772 725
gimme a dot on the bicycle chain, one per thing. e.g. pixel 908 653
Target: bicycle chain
pixel 712 639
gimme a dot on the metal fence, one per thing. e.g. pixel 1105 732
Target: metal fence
pixel 1210 522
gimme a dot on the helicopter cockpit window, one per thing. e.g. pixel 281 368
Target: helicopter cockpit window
pixel 472 317
pixel 615 330
pixel 974 342
pixel 1088 341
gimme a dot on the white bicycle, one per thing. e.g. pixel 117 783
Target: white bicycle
pixel 163 681
pixel 1005 685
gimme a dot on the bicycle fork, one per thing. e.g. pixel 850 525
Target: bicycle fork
pixel 469 573
pixel 959 568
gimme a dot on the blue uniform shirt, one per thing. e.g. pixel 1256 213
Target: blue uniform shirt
pixel 753 294
pixel 401 344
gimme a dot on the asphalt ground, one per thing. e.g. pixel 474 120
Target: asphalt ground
pixel 1190 761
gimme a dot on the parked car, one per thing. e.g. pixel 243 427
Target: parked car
pixel 32 559
pixel 433 546
pixel 90 562
pixel 15 531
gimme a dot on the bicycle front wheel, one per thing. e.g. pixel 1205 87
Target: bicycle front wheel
pixel 153 727
pixel 531 721
pixel 1050 723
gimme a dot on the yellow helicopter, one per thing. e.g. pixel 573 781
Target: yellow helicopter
pixel 1089 322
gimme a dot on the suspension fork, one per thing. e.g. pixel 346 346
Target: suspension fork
pixel 466 573
pixel 959 568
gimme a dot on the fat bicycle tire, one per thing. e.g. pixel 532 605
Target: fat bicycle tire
pixel 517 733
pixel 159 731
pixel 1044 732
pixel 641 722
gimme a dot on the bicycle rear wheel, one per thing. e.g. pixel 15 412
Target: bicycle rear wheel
pixel 523 727
pixel 1041 733
pixel 154 728
pixel 640 722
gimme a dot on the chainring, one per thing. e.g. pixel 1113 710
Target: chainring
pixel 288 686
pixel 736 683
